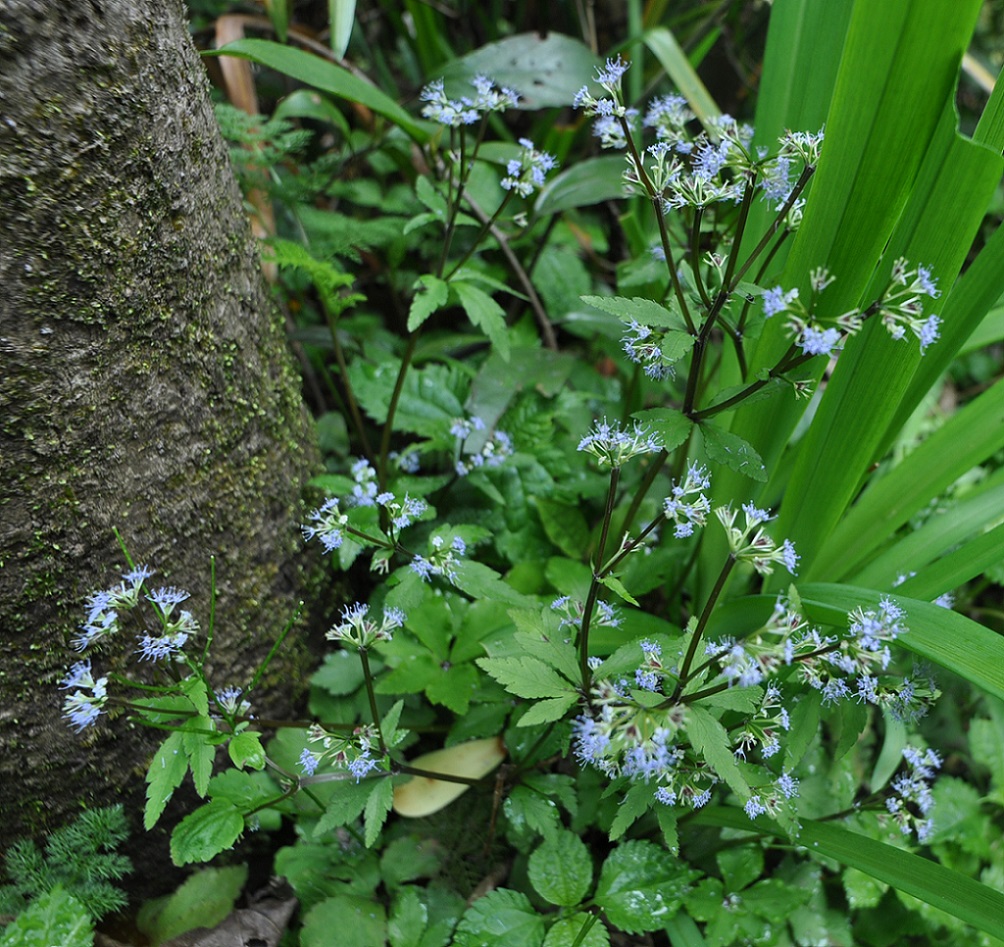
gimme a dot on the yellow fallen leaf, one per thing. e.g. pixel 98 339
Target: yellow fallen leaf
pixel 422 795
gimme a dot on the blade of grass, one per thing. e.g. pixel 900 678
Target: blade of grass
pixel 965 440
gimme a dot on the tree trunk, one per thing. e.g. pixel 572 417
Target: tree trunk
pixel 145 382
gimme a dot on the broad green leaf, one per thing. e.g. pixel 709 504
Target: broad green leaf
pixel 641 886
pixel 206 832
pixel 567 932
pixel 167 770
pixel 480 581
pixel 540 636
pixel 327 77
pixel 502 918
pixel 204 899
pixel 959 895
pixel 485 313
pixel 546 70
pixel 561 869
pixel 346 919
pixel 943 637
pixel 587 182
pixel 565 526
pixel 54 917
pixel 431 294
pixel 245 749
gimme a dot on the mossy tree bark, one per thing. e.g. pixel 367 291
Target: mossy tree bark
pixel 145 382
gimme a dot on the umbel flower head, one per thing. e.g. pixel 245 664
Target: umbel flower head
pixel 614 446
pixel 358 628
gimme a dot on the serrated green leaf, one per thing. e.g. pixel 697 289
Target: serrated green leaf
pixel 987 747
pixel 167 770
pixel 206 832
pixel 726 448
pixel 547 710
pixel 615 585
pixel 431 294
pixel 378 806
pixel 502 918
pixel 711 740
pixel 639 308
pixel 642 886
pixel 675 345
pixel 245 749
pixel 347 920
pixel 485 313
pixel 532 809
pixel 561 869
pixel 408 917
pixel 347 801
pixel 672 427
pixel 526 677
pixel 638 800
pixel 201 754
pixel 805 716
pixel 666 817
pixel 194 688
pixel 745 699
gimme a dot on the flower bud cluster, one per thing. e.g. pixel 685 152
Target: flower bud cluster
pixel 103 621
pixel 360 630
pixel 687 505
pixel 573 611
pixel 527 172
pixel 493 453
pixel 623 734
pixel 643 345
pixel 913 799
pixel 82 709
pixel 442 560
pixel 901 306
pixel 466 110
pixel 810 335
pixel 330 527
pixel 750 543
pixel 613 446
pixel 358 753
